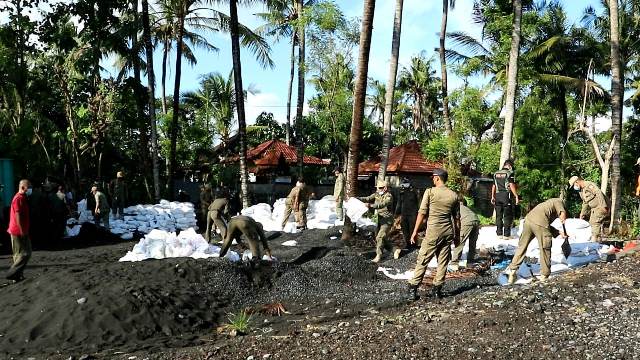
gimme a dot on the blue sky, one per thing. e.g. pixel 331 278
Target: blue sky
pixel 421 24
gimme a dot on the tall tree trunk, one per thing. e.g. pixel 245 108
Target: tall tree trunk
pixel 390 89
pixel 165 54
pixel 173 128
pixel 443 64
pixel 562 94
pixel 300 100
pixel 143 125
pixel 512 84
pixel 151 79
pixel 359 95
pixel 617 93
pixel 290 93
pixel 237 82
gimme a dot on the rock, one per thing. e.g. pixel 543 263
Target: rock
pixel 81 300
pixel 315 335
pixel 85 357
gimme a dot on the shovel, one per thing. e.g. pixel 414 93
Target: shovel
pixel 566 247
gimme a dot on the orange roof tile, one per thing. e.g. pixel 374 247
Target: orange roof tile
pixel 269 153
pixel 405 158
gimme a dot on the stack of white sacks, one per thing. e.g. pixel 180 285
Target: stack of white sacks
pixel 583 251
pixel 321 214
pixel 166 216
pixel 160 244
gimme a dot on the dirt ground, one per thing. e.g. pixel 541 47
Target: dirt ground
pixel 82 303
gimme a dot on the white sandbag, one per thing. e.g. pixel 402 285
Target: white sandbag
pixel 355 209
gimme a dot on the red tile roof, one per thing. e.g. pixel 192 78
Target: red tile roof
pixel 268 154
pixel 405 158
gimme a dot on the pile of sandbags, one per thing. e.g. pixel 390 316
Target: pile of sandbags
pixel 167 216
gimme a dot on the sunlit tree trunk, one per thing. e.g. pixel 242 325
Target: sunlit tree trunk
pixel 237 77
pixel 300 100
pixel 390 89
pixel 512 84
pixel 359 95
pixel 290 93
pixel 165 54
pixel 443 64
pixel 617 93
pixel 173 128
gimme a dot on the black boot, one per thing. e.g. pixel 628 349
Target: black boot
pixel 436 292
pixel 412 293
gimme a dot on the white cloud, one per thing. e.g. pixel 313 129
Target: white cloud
pixel 265 102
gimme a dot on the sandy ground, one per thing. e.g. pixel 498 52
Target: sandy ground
pixel 82 303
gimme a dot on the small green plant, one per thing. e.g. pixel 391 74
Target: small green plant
pixel 485 221
pixel 240 322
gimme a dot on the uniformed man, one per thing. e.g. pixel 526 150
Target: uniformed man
pixel 338 193
pixel 101 211
pixel 291 204
pixel 537 224
pixel 206 197
pixel 595 205
pixel 304 195
pixel 217 215
pixel 407 209
pixel 119 195
pixel 253 233
pixel 441 208
pixel 504 195
pixel 469 229
pixel 382 202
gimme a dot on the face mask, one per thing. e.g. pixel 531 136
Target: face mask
pixel 381 192
pixel 29 191
pixel 576 187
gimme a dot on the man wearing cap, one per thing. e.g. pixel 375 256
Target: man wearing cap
pixel 101 211
pixel 595 205
pixel 537 224
pixel 253 233
pixel 504 195
pixel 407 209
pixel 119 194
pixel 469 230
pixel 217 214
pixel 291 204
pixel 441 208
pixel 338 193
pixel 382 202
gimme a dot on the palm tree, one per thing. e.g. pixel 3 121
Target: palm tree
pixel 390 90
pixel 151 98
pixel 300 31
pixel 359 94
pixel 512 84
pixel 421 85
pixel 376 101
pixel 617 94
pixel 446 4
pixel 280 23
pixel 188 13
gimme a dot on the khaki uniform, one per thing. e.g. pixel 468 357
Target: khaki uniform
pixel 441 207
pixel 205 200
pixel 338 194
pixel 469 227
pixel 596 204
pixel 291 204
pixel 252 231
pixel 537 224
pixel 383 209
pixel 119 195
pixel 218 210
pixel 103 205
pixel 303 203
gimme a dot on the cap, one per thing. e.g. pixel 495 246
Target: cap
pixel 573 180
pixel 120 174
pixel 381 183
pixel 440 172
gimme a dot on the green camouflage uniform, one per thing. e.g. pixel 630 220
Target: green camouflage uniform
pixel 218 211
pixel 596 204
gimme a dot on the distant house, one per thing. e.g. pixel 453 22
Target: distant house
pixel 405 160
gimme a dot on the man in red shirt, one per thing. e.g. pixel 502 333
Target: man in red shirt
pixel 19 231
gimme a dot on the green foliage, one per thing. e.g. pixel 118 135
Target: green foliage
pixel 240 321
